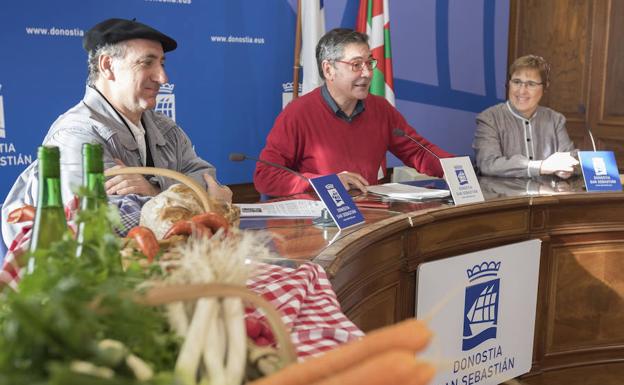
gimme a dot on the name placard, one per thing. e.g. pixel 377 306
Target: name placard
pixel 462 180
pixel 337 201
pixel 600 171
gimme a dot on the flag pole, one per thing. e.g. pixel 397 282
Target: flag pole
pixel 297 59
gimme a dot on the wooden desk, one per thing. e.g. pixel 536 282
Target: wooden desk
pixel 580 307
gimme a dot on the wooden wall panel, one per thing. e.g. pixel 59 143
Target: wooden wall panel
pixel 614 88
pixel 465 230
pixel 587 289
pixel 560 31
pixel 376 310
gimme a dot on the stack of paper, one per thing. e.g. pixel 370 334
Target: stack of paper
pixel 404 191
pixel 289 208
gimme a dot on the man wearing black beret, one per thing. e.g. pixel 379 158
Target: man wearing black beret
pixel 126 69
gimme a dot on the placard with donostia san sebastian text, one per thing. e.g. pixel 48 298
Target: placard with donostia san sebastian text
pixel 600 171
pixel 481 309
pixel 337 200
pixel 462 180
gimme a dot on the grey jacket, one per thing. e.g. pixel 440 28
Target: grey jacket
pixel 506 144
pixel 93 120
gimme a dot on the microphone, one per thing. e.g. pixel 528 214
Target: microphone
pixel 581 110
pixel 591 136
pixel 239 157
pixel 399 132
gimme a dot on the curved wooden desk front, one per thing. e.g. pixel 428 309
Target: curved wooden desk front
pixel 580 307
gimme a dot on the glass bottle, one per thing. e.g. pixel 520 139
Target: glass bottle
pixel 49 224
pixel 93 183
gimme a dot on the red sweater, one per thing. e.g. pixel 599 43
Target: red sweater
pixel 308 137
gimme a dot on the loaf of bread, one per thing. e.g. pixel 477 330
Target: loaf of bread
pixel 177 203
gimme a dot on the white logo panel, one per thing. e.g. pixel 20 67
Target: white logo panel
pixel 165 101
pixel 481 309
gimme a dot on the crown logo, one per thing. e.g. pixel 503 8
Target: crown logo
pixel 483 270
pixel 166 88
pixel 288 87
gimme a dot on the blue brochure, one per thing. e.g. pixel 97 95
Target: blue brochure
pixel 600 171
pixel 337 201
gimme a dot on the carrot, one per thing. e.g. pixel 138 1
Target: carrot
pixel 187 227
pixel 146 240
pixel 212 220
pixel 396 367
pixel 411 335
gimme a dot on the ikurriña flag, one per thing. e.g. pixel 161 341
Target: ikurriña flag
pixel 374 20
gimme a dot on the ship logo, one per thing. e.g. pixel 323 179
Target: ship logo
pixel 165 101
pixel 462 178
pixel 600 167
pixel 481 304
pixel 334 194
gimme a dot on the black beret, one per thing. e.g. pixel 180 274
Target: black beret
pixel 115 30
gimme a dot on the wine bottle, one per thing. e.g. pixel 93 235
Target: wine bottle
pixel 93 183
pixel 50 224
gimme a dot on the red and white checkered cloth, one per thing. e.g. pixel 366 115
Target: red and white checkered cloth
pixel 11 271
pixel 308 305
pixel 303 296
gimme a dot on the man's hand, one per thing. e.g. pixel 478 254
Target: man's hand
pixel 216 191
pixel 352 180
pixel 560 163
pixel 129 184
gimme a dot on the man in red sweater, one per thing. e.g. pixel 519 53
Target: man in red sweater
pixel 339 127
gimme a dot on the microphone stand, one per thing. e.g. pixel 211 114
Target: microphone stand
pixel 324 220
pixel 400 133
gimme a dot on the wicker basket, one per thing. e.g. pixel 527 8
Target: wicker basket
pixel 168 294
pixel 191 183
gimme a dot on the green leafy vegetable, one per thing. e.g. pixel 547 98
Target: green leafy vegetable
pixel 68 305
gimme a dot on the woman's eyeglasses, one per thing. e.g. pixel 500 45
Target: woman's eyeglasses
pixel 530 84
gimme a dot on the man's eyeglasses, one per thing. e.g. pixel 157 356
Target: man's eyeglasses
pixel 358 65
pixel 530 84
